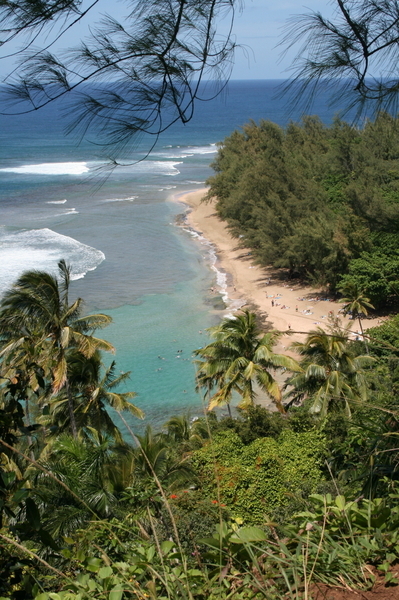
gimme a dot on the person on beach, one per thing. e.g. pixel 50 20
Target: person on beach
pixel 272 302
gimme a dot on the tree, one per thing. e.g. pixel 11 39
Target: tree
pixel 377 274
pixel 331 373
pixel 145 73
pixel 356 304
pixel 187 433
pixel 90 470
pixel 94 389
pixel 155 456
pixel 21 374
pixel 361 41
pixel 308 197
pixel 39 303
pixel 238 359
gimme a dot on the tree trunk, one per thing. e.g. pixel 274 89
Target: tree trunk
pixel 364 339
pixel 71 413
pixel 28 423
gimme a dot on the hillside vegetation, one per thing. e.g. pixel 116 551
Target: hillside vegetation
pixel 320 201
pixel 244 505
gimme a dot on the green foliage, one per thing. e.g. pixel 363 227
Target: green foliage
pixel 337 531
pixel 332 374
pixel 239 357
pixel 384 339
pixel 377 275
pixel 91 517
pixel 255 479
pixel 195 516
pixel 257 422
pixel 312 198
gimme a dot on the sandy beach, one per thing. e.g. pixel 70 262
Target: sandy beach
pixel 285 305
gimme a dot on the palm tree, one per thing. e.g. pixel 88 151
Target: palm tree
pixel 331 373
pixel 186 432
pixel 237 359
pixel 39 303
pixel 90 469
pixel 155 456
pixel 20 366
pixel 94 389
pixel 356 304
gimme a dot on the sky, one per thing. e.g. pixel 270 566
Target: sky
pixel 258 28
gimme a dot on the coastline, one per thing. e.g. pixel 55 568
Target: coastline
pixel 285 306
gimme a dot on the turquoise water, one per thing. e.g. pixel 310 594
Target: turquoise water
pixel 129 257
pixel 156 337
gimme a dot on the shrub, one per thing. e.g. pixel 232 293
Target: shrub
pixel 254 480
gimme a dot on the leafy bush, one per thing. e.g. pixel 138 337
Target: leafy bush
pixel 254 480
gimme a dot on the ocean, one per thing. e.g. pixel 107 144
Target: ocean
pixel 130 257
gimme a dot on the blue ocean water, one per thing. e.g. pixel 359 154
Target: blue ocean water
pixel 129 257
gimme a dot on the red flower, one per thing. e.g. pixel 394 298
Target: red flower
pixel 215 502
pixel 173 496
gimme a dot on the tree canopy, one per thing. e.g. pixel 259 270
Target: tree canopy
pixel 320 201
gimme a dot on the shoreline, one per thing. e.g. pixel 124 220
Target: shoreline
pixel 285 306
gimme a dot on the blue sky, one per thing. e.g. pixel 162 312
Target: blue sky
pixel 258 29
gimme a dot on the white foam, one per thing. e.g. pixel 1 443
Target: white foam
pixel 196 182
pixel 212 149
pixel 221 277
pixel 163 167
pixel 56 201
pixel 167 187
pixel 187 151
pixel 128 199
pixel 41 249
pixel 66 168
pixel 70 211
pixel 177 155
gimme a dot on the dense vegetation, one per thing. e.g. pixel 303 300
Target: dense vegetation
pixel 320 201
pixel 259 505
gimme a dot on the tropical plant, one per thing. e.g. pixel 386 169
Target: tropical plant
pixel 239 359
pixel 256 479
pixel 94 389
pixel 185 431
pixel 38 303
pixel 91 475
pixel 154 457
pixel 22 376
pixel 376 273
pixel 331 372
pixel 356 304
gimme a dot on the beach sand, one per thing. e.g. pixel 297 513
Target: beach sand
pixel 296 307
